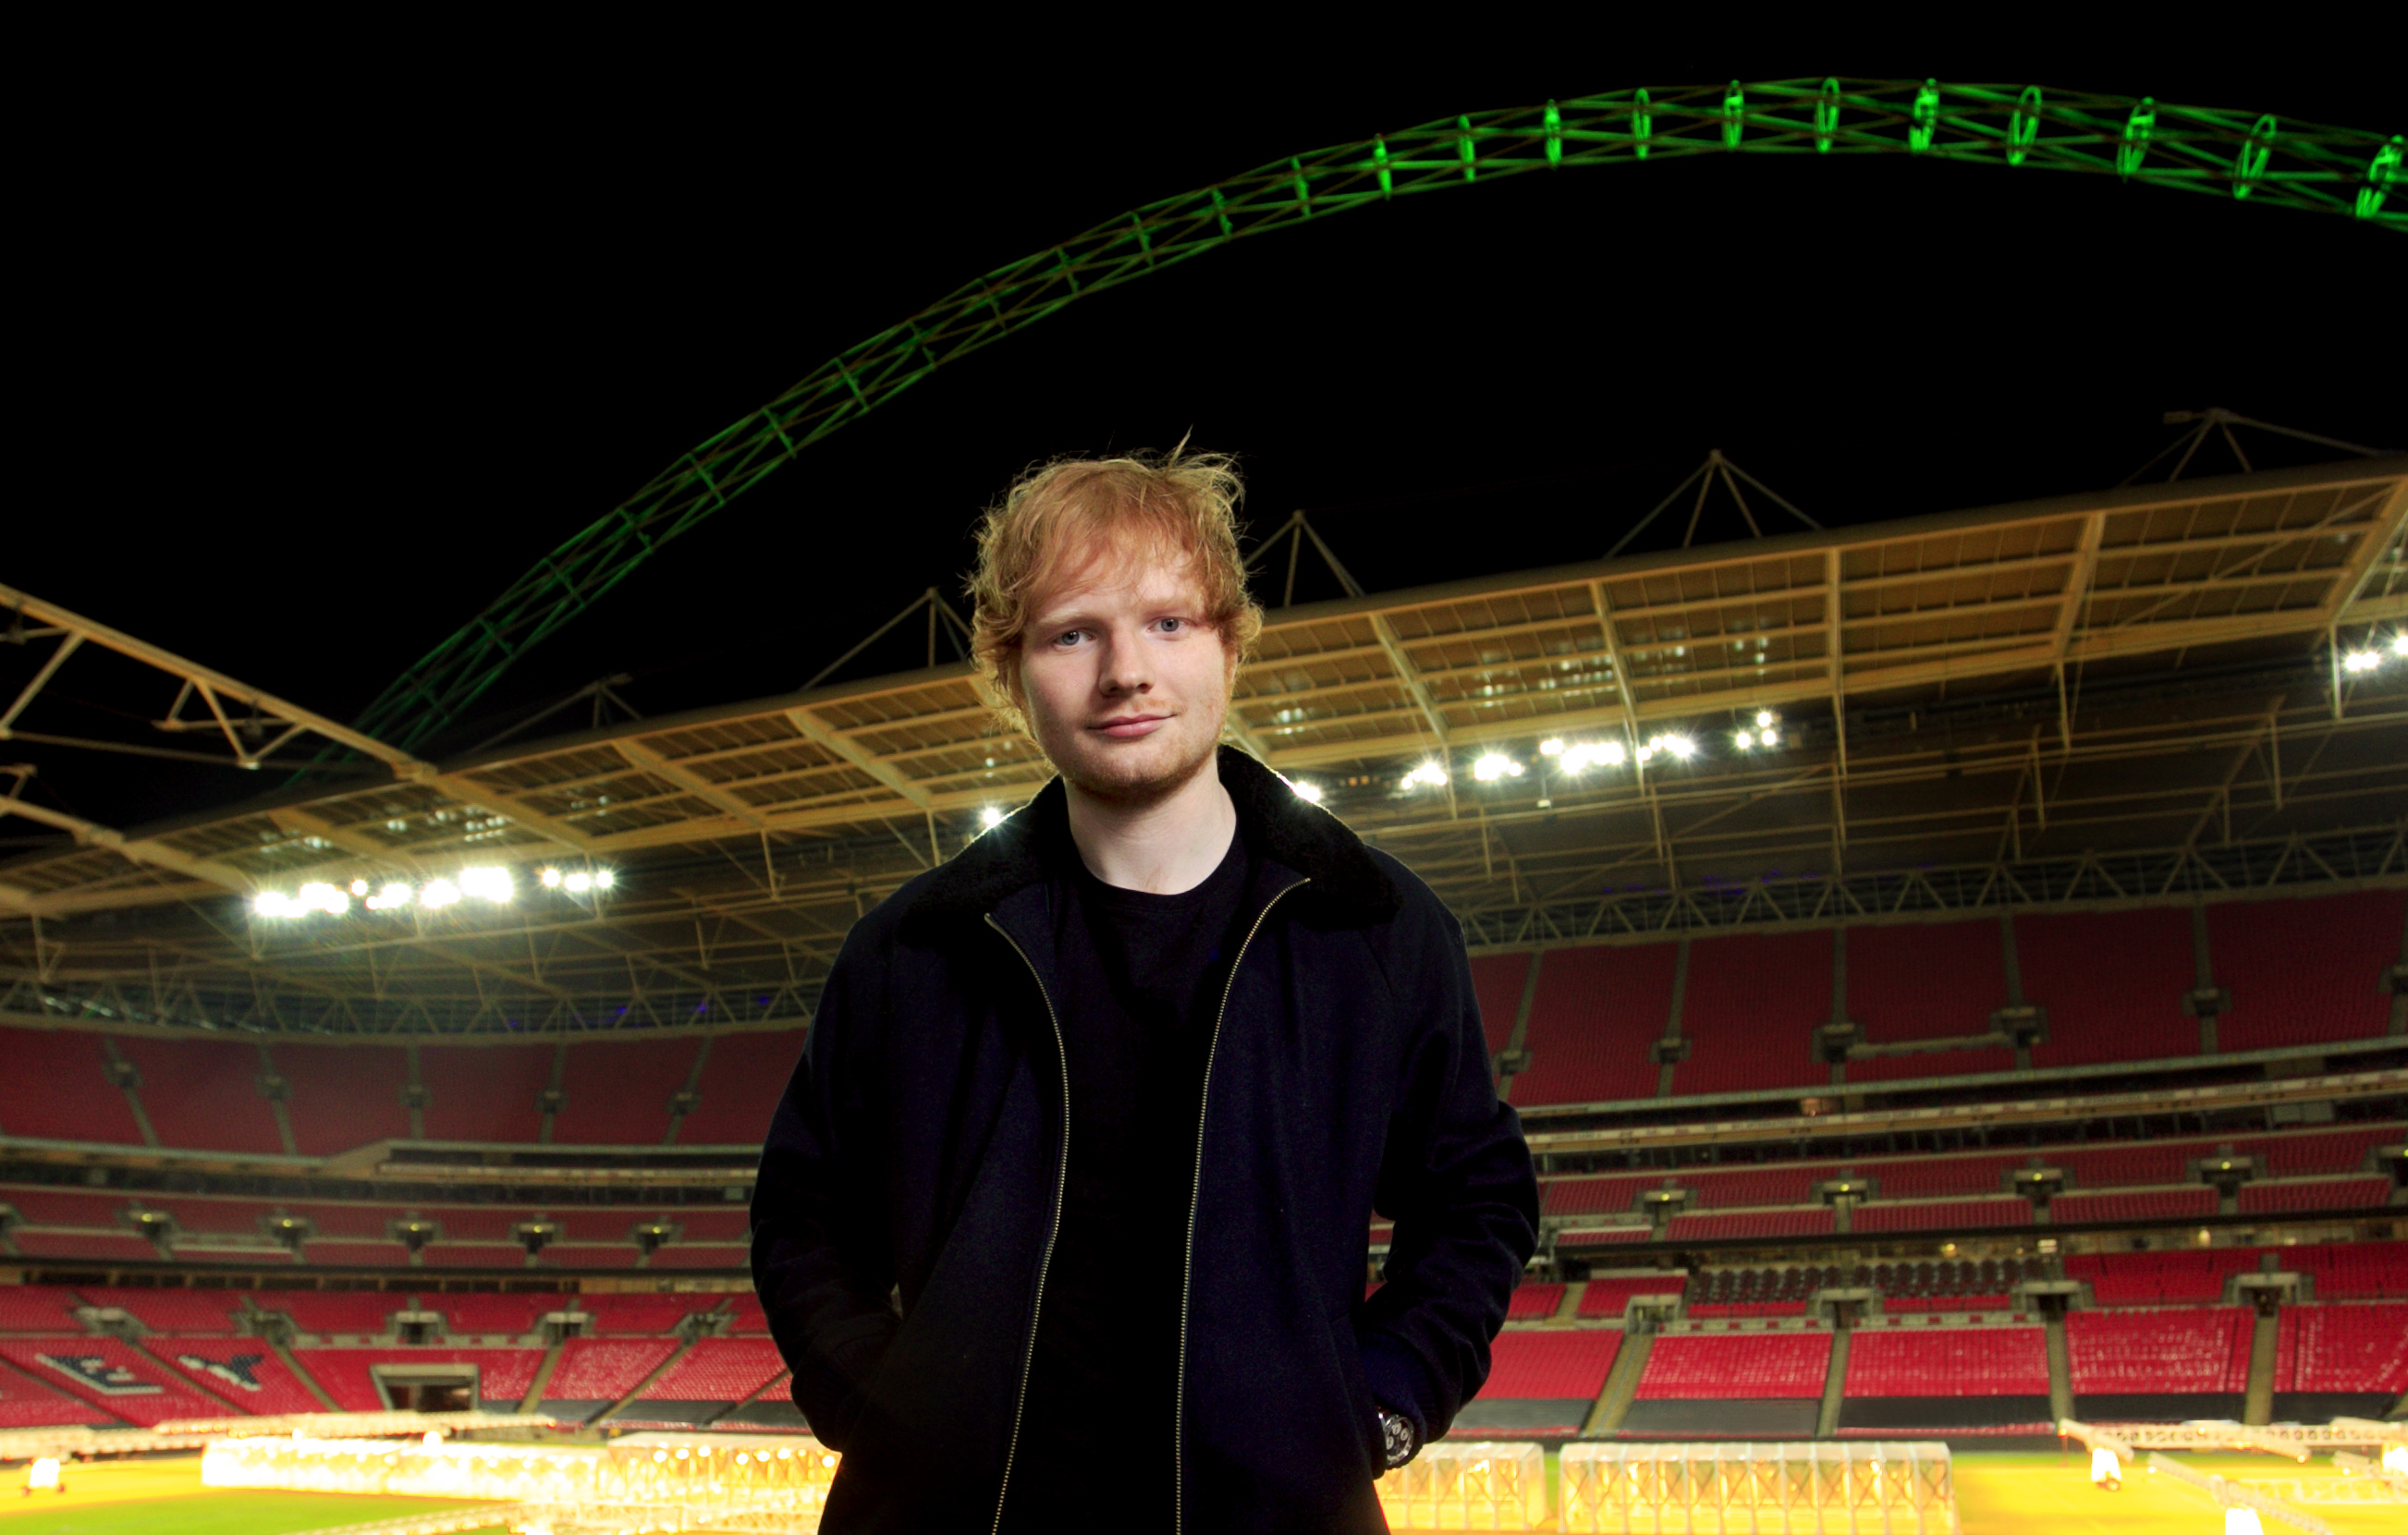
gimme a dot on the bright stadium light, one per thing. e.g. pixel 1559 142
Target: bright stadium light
pixel 393 895
pixel 1495 765
pixel 1764 717
pixel 549 878
pixel 2400 643
pixel 1681 746
pixel 990 817
pixel 358 887
pixel 1305 791
pixel 1429 772
pixel 1744 739
pixel 604 879
pixel 487 884
pixel 579 884
pixel 1646 751
pixel 1770 738
pixel 274 903
pixel 1550 747
pixel 319 896
pixel 2360 660
pixel 439 894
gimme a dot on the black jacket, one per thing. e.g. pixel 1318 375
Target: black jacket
pixel 910 1187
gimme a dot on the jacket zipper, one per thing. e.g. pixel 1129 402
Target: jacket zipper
pixel 1045 1260
pixel 1195 1196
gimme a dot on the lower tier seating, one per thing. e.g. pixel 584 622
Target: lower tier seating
pixel 1950 1361
pixel 718 1370
pixel 108 1373
pixel 349 1374
pixel 2342 1349
pixel 243 1372
pixel 2159 1353
pixel 603 1369
pixel 1736 1366
pixel 29 1404
pixel 1610 1295
pixel 1534 1302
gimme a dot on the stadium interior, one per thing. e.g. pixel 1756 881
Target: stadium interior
pixel 1954 974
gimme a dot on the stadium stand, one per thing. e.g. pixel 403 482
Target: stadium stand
pixel 26 1402
pixel 2126 1166
pixel 2305 1155
pixel 2332 1360
pixel 37 1308
pixel 484 1093
pixel 1921 1379
pixel 718 1370
pixel 111 1374
pixel 242 1372
pixel 618 1093
pixel 349 1374
pixel 641 1314
pixel 1497 982
pixel 99 1246
pixel 1534 1302
pixel 2179 1277
pixel 1598 1013
pixel 1927 1063
pixel 1754 1223
pixel 493 1315
pixel 2304 971
pixel 1925 980
pixel 365 1313
pixel 1750 1010
pixel 57 1089
pixel 1750 1189
pixel 1751 1383
pixel 1942 1215
pixel 596 1371
pixel 182 1314
pixel 1541 1384
pixel 2158 1365
pixel 204 1094
pixel 344 1097
pixel 2145 1204
pixel 743 1076
pixel 2112 983
pixel 1610 1295
pixel 2365 1270
pixel 747 1315
pixel 2276 1199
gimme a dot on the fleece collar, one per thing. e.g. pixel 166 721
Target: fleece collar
pixel 1279 825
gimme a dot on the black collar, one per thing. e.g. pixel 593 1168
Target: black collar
pixel 1280 826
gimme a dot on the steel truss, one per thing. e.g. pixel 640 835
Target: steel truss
pixel 2239 154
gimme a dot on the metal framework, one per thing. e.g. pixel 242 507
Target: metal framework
pixel 2242 155
pixel 2128 695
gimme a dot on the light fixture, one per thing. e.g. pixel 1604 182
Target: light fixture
pixel 1429 772
pixel 2360 660
pixel 394 894
pixel 438 894
pixel 549 878
pixel 274 903
pixel 318 896
pixel 1495 765
pixel 1305 791
pixel 2400 643
pixel 487 884
pixel 358 887
pixel 1763 717
pixel 1770 738
pixel 1550 747
pixel 577 883
pixel 990 817
pixel 1746 739
pixel 604 879
pixel 1646 751
pixel 1611 754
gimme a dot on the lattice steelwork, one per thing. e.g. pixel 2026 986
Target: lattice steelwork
pixel 1468 1484
pixel 2249 156
pixel 2134 695
pixel 1878 1489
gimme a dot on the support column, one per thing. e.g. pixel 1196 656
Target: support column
pixel 554 1097
pixel 1835 1383
pixel 1613 1398
pixel 1515 1057
pixel 278 1093
pixel 2257 1403
pixel 1669 1050
pixel 413 1095
pixel 2060 1366
pixel 2014 982
pixel 128 1080
pixel 688 1098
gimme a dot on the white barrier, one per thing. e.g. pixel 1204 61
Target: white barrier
pixel 1850 1486
pixel 1468 1484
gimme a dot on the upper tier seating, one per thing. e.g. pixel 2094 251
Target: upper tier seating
pixel 641 1315
pixel 2183 1276
pixel 2303 971
pixel 1497 984
pixel 2357 1271
pixel 56 1088
pixel 112 1376
pixel 489 1316
pixel 180 1313
pixel 619 1091
pixel 2143 1204
pixel 1925 980
pixel 1942 1215
pixel 1610 1297
pixel 605 1368
pixel 1736 1366
pixel 1750 1010
pixel 1761 1223
pixel 2159 1353
pixel 1598 1011
pixel 2112 983
pixel 484 1092
pixel 1534 1302
pixel 1549 1366
pixel 363 1314
pixel 47 1309
pixel 718 1370
pixel 2274 1199
pixel 503 1375
pixel 2342 1349
pixel 742 1079
pixel 344 1096
pixel 204 1093
pixel 1987 1361
pixel 749 1317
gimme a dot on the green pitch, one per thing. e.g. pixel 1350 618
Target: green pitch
pixel 208 1514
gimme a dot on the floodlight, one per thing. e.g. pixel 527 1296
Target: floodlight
pixel 579 884
pixel 1764 717
pixel 358 887
pixel 438 893
pixel 990 816
pixel 1550 747
pixel 1646 751
pixel 1305 791
pixel 273 903
pixel 1611 753
pixel 550 878
pixel 2359 660
pixel 604 879
pixel 1495 765
pixel 1429 772
pixel 2400 643
pixel 392 895
pixel 1681 746
pixel 1746 739
pixel 319 896
pixel 1770 738
pixel 487 884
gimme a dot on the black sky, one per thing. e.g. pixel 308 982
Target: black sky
pixel 330 350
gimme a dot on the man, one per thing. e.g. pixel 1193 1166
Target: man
pixel 1064 1216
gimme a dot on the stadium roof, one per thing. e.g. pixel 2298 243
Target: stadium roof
pixel 2151 673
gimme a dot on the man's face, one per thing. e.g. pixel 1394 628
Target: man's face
pixel 1122 679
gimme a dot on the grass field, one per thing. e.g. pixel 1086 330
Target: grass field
pixel 1995 1495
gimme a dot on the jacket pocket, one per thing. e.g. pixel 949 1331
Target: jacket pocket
pixel 1366 1413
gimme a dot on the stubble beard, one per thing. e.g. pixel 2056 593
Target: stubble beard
pixel 1123 781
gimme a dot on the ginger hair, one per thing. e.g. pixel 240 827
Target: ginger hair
pixel 1062 516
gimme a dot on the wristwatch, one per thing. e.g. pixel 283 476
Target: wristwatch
pixel 1397 1437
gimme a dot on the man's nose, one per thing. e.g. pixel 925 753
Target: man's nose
pixel 1123 668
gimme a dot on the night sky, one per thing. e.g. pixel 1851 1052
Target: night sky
pixel 330 355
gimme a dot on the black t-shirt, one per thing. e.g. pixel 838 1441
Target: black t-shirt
pixel 1137 984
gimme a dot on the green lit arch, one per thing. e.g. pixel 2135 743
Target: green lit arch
pixel 2250 157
